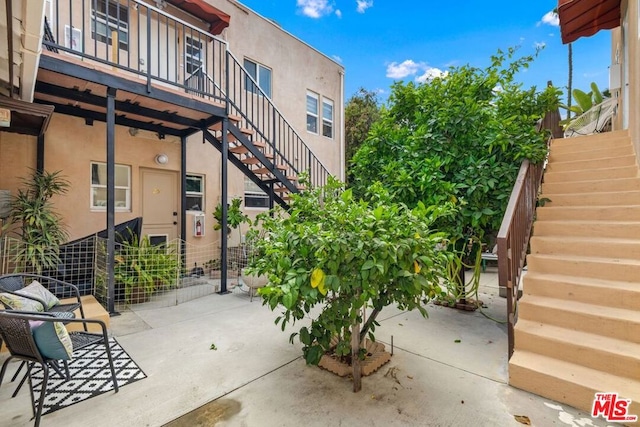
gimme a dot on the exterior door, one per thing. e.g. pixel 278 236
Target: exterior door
pixel 160 203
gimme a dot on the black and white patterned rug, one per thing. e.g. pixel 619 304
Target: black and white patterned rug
pixel 90 376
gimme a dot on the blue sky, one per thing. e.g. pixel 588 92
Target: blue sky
pixel 380 41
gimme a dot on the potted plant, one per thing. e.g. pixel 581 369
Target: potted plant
pixel 214 267
pixel 41 227
pixel 142 269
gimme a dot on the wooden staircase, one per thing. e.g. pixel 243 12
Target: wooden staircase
pixel 578 329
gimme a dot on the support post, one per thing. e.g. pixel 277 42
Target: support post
pixel 40 154
pixel 224 191
pixel 271 198
pixel 183 196
pixel 111 192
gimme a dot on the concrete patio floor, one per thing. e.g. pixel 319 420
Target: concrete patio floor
pixel 447 370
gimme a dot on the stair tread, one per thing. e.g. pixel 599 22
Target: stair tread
pixel 577 374
pixel 549 195
pixel 590 186
pixel 589 239
pixel 602 159
pixel 582 307
pixel 591 207
pixel 586 221
pixel 586 258
pixel 582 281
pixel 617 136
pixel 581 338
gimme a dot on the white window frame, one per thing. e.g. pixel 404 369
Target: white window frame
pixel 92 186
pixel 200 193
pixel 250 192
pixel 195 62
pixel 327 121
pixel 111 23
pixel 316 115
pixel 260 68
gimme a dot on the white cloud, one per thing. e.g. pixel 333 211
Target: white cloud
pixel 337 58
pixel 338 13
pixel 539 45
pixel 550 18
pixel 315 8
pixel 411 68
pixel 431 73
pixel 402 70
pixel 363 5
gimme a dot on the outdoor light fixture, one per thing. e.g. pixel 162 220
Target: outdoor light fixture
pixel 162 159
pixel 133 131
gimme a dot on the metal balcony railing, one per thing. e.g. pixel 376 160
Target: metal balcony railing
pixel 148 42
pixel 259 114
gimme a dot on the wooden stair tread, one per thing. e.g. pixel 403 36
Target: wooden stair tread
pixel 232 118
pixel 252 160
pixel 240 149
pixel 266 171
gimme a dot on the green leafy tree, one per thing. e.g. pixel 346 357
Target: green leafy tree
pixel 360 112
pixel 344 255
pixel 457 139
pixel 235 216
pixel 460 139
pixel 41 227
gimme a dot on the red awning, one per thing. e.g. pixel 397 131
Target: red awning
pixel 217 19
pixel 583 18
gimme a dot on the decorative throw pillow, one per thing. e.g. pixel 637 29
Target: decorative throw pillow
pixel 16 302
pixel 36 290
pixel 52 339
pixel 11 283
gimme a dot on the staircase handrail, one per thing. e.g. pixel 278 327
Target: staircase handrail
pixel 271 105
pixel 513 237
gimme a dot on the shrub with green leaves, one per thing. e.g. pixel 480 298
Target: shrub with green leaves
pixel 344 255
pixel 41 227
pixel 460 139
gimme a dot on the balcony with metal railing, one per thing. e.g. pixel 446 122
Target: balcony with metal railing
pixel 148 45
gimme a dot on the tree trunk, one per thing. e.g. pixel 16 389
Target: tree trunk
pixel 355 357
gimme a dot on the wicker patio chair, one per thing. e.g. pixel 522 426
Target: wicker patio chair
pixel 12 283
pixel 16 332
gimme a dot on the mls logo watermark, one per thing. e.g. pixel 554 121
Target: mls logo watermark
pixel 612 408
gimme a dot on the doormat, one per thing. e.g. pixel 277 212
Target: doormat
pixel 90 376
